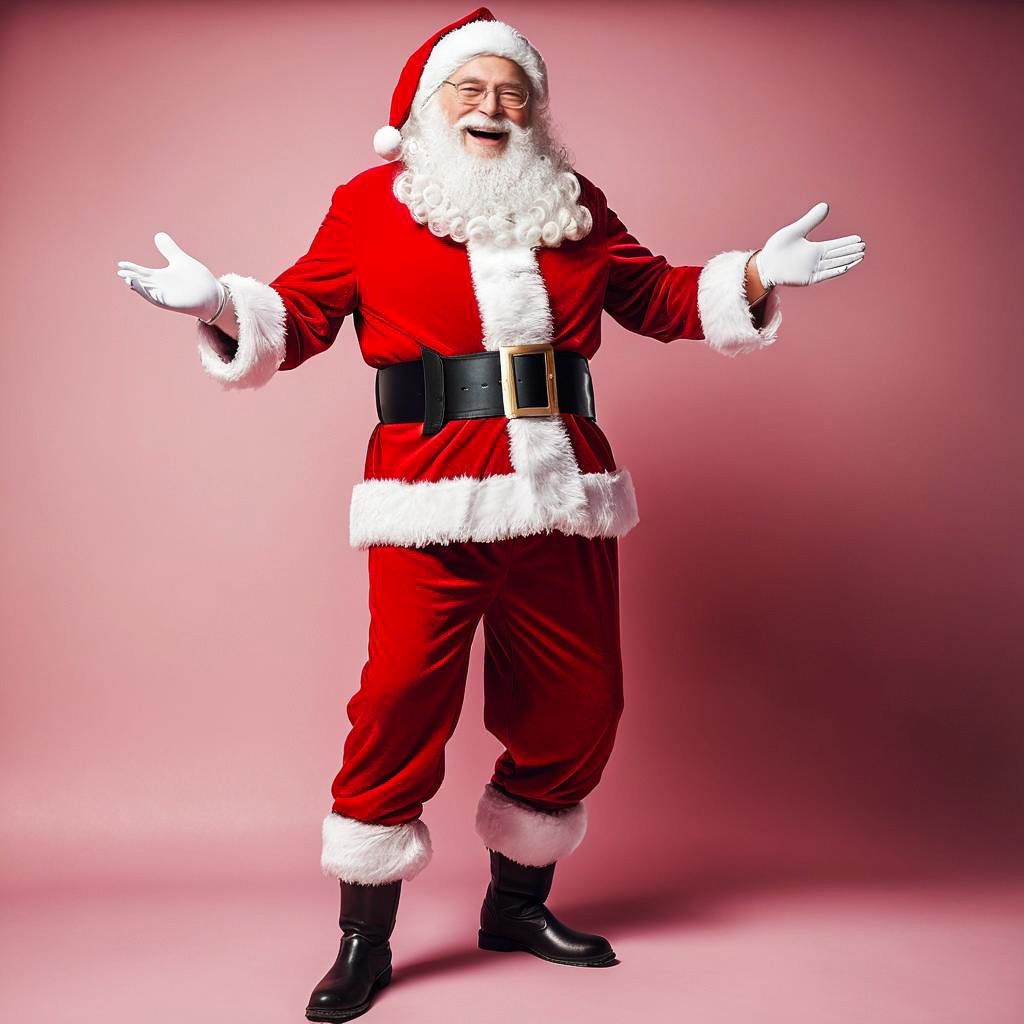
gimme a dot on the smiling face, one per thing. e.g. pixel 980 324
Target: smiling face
pixel 488 171
pixel 484 124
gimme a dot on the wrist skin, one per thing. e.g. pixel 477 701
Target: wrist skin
pixel 224 340
pixel 756 291
pixel 227 321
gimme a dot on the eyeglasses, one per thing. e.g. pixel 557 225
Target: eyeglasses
pixel 512 97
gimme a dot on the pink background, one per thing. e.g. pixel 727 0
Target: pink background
pixel 821 604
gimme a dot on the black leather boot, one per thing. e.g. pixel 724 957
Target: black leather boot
pixel 364 960
pixel 514 917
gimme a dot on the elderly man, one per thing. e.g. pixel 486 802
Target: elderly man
pixel 476 270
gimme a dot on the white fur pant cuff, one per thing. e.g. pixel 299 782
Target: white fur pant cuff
pixel 526 835
pixel 368 854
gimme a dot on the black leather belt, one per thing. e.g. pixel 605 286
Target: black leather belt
pixel 518 380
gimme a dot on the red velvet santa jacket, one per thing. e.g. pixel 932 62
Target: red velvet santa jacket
pixel 481 479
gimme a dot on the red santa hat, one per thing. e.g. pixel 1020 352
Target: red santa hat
pixel 474 35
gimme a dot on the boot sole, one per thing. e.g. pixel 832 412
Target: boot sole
pixel 382 981
pixel 499 944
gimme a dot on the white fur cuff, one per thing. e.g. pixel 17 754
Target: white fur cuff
pixel 526 835
pixel 722 304
pixel 367 854
pixel 260 313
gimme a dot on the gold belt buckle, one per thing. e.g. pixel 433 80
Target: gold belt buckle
pixel 508 381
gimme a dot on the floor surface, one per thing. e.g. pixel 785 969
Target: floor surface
pixel 822 952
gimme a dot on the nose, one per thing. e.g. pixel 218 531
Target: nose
pixel 490 104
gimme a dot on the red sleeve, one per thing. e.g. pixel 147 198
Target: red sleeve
pixel 644 293
pixel 321 289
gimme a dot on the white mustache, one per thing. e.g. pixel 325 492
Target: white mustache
pixel 483 123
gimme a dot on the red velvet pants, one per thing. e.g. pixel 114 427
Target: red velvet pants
pixel 552 670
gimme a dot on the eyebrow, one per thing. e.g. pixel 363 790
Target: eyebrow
pixel 480 81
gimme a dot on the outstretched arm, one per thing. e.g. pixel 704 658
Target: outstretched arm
pixel 723 303
pixel 298 314
pixel 249 330
pixel 731 302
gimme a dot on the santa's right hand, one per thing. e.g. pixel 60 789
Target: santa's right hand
pixel 185 285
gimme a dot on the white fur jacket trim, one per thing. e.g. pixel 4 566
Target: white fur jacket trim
pixel 261 335
pixel 546 491
pixel 722 304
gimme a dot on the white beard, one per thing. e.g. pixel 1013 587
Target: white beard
pixel 525 195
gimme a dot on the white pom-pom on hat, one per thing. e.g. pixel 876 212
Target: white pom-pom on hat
pixel 387 142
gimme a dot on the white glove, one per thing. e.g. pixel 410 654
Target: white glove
pixel 184 285
pixel 790 258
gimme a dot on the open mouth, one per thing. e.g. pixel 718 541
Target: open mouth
pixel 480 133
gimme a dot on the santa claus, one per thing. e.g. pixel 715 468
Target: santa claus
pixel 476 268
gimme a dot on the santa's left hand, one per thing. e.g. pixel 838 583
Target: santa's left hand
pixel 790 258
